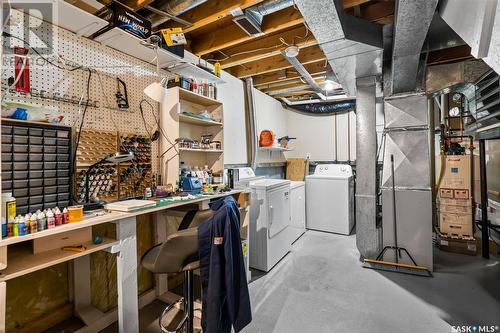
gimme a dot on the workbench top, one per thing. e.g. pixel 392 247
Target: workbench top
pixel 93 219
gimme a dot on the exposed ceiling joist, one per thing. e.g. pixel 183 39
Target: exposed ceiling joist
pixel 137 4
pixel 267 46
pixel 212 11
pixel 306 56
pixel 353 3
pixel 233 35
pixel 316 68
pixel 452 54
pixel 377 11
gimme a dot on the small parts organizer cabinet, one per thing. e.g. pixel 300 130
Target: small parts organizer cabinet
pixel 36 164
pixel 455 197
pixel 181 118
pixel 111 181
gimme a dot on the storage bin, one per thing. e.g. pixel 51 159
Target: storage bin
pixel 35 140
pixel 50 197
pixel 36 173
pixel 20 184
pixel 50 157
pixel 50 149
pixel 49 141
pixel 6 166
pixel 36 165
pixel 6 129
pixel 20 192
pixel 62 150
pixel 36 149
pixel 20 130
pixel 50 181
pixel 23 175
pixel 36 182
pixel 36 131
pixel 6 147
pixel 6 138
pixel 20 149
pixel 49 133
pixel 63 134
pixel 36 191
pixel 36 200
pixel 50 189
pixel 6 185
pixel 20 139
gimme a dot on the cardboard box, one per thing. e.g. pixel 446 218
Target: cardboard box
pixel 455 202
pixel 455 209
pixel 122 17
pixel 457 173
pixel 456 224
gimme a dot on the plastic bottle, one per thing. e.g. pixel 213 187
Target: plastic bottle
pixel 15 228
pixel 27 224
pixel 8 211
pixel 33 223
pixel 21 226
pixel 51 220
pixel 65 216
pixel 217 69
pixel 42 221
pixel 58 215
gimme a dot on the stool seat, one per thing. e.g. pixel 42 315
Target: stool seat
pixel 179 253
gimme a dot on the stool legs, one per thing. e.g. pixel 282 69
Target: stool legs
pixel 189 300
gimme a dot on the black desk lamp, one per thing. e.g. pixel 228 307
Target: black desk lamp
pixel 113 158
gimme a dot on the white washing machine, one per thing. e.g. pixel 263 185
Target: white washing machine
pixel 330 199
pixel 269 222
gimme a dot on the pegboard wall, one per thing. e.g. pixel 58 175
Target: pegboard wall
pixel 106 65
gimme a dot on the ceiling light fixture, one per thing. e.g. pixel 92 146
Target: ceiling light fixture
pixel 292 51
pixel 329 86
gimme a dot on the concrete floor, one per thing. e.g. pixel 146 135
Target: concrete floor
pixel 321 287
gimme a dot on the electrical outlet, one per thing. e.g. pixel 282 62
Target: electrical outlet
pixel 308 156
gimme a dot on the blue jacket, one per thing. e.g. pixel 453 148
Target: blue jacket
pixel 225 298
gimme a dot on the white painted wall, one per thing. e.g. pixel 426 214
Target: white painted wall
pixel 316 136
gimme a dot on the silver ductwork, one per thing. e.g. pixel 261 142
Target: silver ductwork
pixel 251 19
pixel 303 72
pixel 409 140
pixel 251 120
pixel 478 24
pixel 352 46
pixel 412 22
pixel 175 8
pixel 368 234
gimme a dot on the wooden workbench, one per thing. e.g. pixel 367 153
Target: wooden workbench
pixel 22 261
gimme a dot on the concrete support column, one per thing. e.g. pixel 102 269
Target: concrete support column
pixel 368 236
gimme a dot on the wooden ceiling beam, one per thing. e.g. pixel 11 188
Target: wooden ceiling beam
pixel 377 11
pixel 353 3
pixel 137 4
pixel 450 55
pixel 232 34
pixel 316 68
pixel 214 11
pixel 306 56
pixel 267 46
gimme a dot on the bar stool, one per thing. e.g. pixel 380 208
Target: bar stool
pixel 179 253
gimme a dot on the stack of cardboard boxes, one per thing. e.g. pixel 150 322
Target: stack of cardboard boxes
pixel 455 198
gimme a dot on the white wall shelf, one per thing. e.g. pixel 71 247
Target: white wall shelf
pixel 195 98
pixel 122 41
pixel 188 69
pixel 275 149
pixel 183 118
pixel 74 19
pixel 198 150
